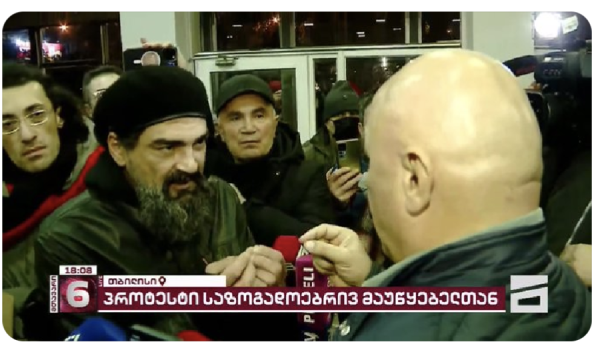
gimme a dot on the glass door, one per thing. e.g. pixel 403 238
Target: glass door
pixel 287 74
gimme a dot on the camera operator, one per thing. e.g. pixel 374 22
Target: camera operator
pixel 565 121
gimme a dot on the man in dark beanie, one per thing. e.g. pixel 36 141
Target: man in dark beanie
pixel 149 210
pixel 341 119
pixel 281 192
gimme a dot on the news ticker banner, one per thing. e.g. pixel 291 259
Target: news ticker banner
pixel 87 292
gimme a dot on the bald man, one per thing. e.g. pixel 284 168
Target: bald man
pixel 454 188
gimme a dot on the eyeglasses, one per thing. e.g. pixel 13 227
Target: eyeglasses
pixel 10 126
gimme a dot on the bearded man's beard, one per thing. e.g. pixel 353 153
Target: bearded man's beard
pixel 181 218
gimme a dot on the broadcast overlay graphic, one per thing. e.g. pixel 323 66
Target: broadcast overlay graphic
pixel 79 289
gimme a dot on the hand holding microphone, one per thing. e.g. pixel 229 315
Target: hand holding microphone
pixel 339 253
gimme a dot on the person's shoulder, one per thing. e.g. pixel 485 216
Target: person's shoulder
pixel 226 198
pixel 79 217
pixel 315 151
pixel 222 189
pixel 310 169
pixel 567 298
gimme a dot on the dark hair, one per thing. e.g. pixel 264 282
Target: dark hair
pixel 75 130
pixel 97 72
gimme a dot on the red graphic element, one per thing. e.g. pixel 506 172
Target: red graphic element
pixel 315 299
pixel 78 294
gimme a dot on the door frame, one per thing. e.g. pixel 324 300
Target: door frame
pixel 312 100
pixel 205 67
pixel 302 59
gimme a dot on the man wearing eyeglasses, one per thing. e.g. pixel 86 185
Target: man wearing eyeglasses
pixel 46 151
pixel 95 83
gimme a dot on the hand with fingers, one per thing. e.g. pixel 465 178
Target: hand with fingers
pixel 338 253
pixel 270 267
pixel 258 266
pixel 181 62
pixel 579 257
pixel 239 270
pixel 343 183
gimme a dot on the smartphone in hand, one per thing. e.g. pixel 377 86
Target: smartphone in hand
pixel 349 153
pixel 139 57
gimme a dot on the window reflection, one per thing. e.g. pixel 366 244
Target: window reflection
pixel 115 48
pixel 325 77
pixel 247 30
pixel 70 76
pixel 16 46
pixel 440 26
pixel 366 75
pixel 71 42
pixel 349 28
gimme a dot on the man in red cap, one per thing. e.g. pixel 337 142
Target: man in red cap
pixel 276 89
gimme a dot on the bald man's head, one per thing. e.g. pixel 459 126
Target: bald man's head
pixel 455 148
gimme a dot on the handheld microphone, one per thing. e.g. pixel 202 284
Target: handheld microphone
pixel 289 246
pixel 192 335
pixel 314 326
pixel 99 329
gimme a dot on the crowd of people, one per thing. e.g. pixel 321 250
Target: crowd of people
pixel 139 178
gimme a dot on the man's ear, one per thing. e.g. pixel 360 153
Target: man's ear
pixel 417 181
pixel 88 110
pixel 116 149
pixel 218 128
pixel 59 120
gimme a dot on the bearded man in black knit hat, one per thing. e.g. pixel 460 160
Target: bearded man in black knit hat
pixel 149 210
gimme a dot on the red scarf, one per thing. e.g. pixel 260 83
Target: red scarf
pixel 20 232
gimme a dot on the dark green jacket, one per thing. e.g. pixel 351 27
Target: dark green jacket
pixel 317 149
pixel 100 227
pixel 484 260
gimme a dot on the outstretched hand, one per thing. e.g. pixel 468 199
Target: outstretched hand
pixel 338 252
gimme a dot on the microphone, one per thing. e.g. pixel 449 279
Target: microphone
pixel 97 329
pixel 314 326
pixel 100 329
pixel 289 246
pixel 192 335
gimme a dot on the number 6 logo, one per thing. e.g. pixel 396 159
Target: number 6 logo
pixel 77 294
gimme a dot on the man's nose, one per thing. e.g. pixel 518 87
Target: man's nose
pixel 248 126
pixel 186 162
pixel 27 132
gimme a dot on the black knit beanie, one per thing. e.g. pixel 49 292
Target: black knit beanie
pixel 148 96
pixel 342 98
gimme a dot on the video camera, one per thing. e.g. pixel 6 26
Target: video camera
pixel 563 101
